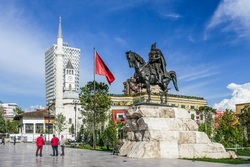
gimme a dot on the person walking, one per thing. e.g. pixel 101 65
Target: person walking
pixel 107 145
pixel 14 140
pixel 62 143
pixel 3 140
pixel 39 143
pixel 54 144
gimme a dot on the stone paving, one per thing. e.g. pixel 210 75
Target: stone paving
pixel 23 154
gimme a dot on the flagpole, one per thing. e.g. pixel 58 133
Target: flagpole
pixel 94 133
pixel 94 65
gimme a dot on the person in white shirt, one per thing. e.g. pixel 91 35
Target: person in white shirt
pixel 62 143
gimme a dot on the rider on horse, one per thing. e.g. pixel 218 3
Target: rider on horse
pixel 157 63
pixel 152 73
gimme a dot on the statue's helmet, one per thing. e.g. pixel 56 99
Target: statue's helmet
pixel 153 46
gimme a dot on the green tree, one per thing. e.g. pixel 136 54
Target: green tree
pixel 111 132
pixel 207 113
pixel 2 121
pixel 72 129
pixel 244 119
pixel 60 123
pixel 7 126
pixel 229 130
pixel 18 110
pixel 96 102
pixel 11 126
pixel 192 116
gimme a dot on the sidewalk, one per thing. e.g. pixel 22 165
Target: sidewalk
pixel 23 154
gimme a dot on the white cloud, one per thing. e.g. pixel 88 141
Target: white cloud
pixel 197 72
pixel 33 108
pixel 121 41
pixel 191 39
pixel 241 94
pixel 234 15
pixel 172 15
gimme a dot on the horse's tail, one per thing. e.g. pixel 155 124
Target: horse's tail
pixel 174 79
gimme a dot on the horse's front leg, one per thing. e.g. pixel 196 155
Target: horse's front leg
pixel 164 87
pixel 164 93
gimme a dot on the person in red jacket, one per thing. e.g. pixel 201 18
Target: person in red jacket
pixel 39 143
pixel 54 144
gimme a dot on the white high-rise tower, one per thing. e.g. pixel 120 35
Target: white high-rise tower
pixel 57 59
pixel 62 66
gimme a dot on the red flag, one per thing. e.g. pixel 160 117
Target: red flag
pixel 102 69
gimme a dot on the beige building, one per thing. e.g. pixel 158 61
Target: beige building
pixel 239 107
pixel 179 101
pixel 190 103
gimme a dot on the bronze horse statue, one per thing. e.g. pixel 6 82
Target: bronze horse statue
pixel 144 75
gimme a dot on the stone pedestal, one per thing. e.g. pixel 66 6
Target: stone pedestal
pixel 167 132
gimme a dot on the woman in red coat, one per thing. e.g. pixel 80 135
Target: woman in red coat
pixel 39 143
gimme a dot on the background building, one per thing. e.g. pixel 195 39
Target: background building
pixel 179 101
pixel 9 110
pixel 240 106
pixel 32 124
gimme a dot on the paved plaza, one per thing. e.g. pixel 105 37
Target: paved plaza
pixel 23 154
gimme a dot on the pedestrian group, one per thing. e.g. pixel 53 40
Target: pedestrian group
pixel 54 143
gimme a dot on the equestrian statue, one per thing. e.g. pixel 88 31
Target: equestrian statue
pixel 152 72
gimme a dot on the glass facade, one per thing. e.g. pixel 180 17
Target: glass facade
pixel 39 128
pixel 29 128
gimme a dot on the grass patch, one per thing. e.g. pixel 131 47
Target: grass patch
pixel 241 152
pixel 244 152
pixel 89 147
pixel 223 160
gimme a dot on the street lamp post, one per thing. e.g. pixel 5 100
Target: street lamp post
pixel 75 102
pixel 94 133
pixel 48 124
pixel 50 105
pixel 96 111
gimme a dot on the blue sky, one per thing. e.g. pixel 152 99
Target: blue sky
pixel 205 42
